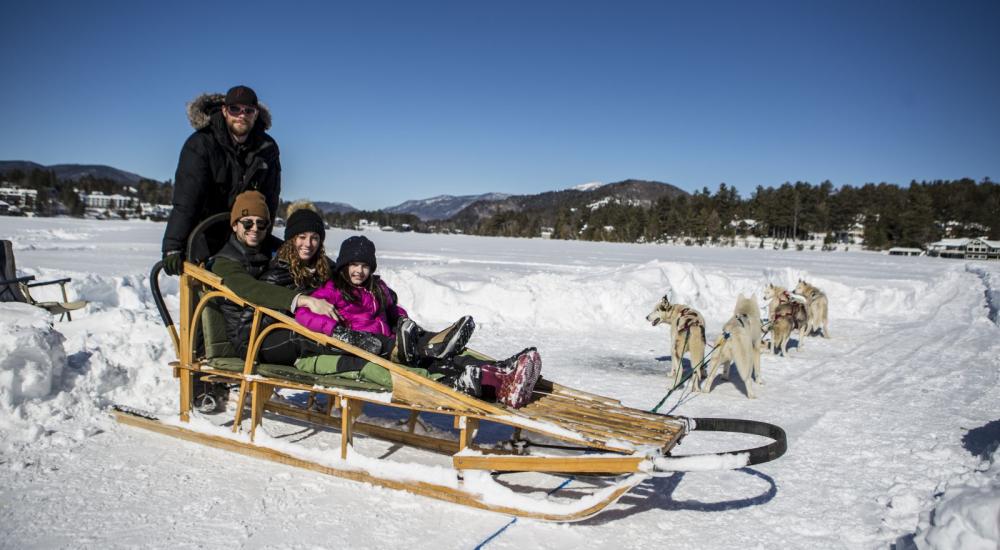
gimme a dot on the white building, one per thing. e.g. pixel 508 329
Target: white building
pixel 25 199
pixel 100 201
pixel 979 248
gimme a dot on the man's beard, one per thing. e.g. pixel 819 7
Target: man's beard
pixel 239 131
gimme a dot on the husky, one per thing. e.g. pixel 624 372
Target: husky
pixel 786 312
pixel 739 345
pixel 687 332
pixel 816 308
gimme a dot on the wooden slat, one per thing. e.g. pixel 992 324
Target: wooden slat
pixel 618 411
pixel 607 419
pixel 610 417
pixel 186 353
pixel 596 433
pixel 436 444
pixel 569 465
pixel 467 431
pixel 260 393
pixel 559 389
pixel 613 429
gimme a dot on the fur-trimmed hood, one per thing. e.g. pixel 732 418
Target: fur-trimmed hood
pixel 201 109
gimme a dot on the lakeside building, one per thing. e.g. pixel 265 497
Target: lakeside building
pixel 979 248
pixel 22 199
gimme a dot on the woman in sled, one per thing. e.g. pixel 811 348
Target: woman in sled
pixel 370 317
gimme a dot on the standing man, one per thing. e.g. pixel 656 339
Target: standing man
pixel 228 153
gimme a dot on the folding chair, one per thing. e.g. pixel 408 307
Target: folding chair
pixel 15 289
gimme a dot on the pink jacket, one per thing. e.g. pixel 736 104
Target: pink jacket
pixel 361 315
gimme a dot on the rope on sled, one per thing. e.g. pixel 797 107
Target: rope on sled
pixel 765 328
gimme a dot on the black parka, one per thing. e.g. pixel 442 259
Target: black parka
pixel 212 171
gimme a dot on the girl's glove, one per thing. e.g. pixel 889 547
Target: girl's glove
pixel 364 340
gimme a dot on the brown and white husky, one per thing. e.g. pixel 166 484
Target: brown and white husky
pixel 816 308
pixel 786 314
pixel 687 332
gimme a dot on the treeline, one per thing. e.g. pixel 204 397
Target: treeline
pixel 889 215
pixel 57 196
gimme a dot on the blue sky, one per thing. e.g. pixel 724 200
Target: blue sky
pixel 375 103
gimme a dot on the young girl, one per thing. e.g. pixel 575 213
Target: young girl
pixel 371 318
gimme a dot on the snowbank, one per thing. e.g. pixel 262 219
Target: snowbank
pixel 31 369
pixel 967 515
pixel 621 297
pixel 31 354
pixel 56 379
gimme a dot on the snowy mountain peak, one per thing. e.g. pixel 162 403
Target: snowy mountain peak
pixel 442 207
pixel 590 186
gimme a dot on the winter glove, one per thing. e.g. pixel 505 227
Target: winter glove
pixel 364 340
pixel 173 263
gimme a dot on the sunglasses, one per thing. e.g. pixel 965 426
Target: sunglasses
pixel 248 224
pixel 236 110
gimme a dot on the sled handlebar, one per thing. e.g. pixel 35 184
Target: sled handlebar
pixel 728 460
pixel 193 241
pixel 161 307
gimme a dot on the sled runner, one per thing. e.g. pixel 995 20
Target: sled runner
pixel 610 448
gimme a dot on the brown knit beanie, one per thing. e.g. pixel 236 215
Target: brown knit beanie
pixel 249 203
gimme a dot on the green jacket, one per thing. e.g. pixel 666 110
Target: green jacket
pixel 247 287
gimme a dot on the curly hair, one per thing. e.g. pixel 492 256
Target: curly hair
pixel 306 274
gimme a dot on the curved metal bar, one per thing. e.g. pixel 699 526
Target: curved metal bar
pixel 729 460
pixel 161 306
pixel 198 230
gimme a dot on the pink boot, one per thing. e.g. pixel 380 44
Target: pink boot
pixel 516 378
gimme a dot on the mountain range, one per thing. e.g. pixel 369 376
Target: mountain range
pixel 74 172
pixel 628 192
pixel 334 207
pixel 463 209
pixel 442 207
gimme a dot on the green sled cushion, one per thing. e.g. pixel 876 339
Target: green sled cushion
pixel 284 372
pixel 213 327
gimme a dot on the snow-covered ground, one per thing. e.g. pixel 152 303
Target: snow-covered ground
pixel 892 423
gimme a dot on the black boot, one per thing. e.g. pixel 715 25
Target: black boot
pixel 467 381
pixel 448 342
pixel 408 335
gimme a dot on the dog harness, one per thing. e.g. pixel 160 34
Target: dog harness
pixel 689 318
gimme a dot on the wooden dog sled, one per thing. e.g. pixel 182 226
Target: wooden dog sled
pixel 591 437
